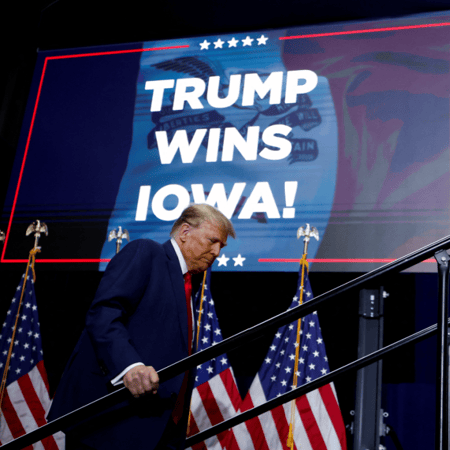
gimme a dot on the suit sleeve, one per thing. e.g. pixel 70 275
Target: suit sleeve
pixel 120 291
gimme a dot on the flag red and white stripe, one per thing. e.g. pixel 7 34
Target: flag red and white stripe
pixel 26 399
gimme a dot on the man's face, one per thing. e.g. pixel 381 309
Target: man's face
pixel 201 246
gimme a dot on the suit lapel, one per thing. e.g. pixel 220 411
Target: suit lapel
pixel 174 269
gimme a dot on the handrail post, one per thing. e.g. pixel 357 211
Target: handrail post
pixel 369 380
pixel 442 259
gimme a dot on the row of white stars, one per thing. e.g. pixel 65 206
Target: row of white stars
pixel 247 42
pixel 238 261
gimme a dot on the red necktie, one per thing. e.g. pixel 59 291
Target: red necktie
pixel 188 291
pixel 178 409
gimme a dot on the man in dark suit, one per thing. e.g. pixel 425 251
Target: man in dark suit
pixel 139 322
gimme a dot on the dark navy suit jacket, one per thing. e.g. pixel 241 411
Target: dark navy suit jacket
pixel 139 314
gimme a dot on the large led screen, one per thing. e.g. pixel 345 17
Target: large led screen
pixel 344 127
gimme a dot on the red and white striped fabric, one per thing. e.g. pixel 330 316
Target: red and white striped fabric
pixel 212 403
pixel 26 399
pixel 215 396
pixel 318 422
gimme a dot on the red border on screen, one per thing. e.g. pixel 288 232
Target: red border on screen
pixel 261 260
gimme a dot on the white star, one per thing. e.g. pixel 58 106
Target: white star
pixel 268 360
pixel 22 358
pixel 210 315
pixel 205 340
pixel 316 354
pixel 308 336
pixel 205 45
pixel 273 348
pixel 319 340
pixel 26 345
pixel 312 366
pixel 210 369
pixel 218 43
pixel 282 352
pixel 18 371
pixel 308 379
pixel 278 335
pixel 232 42
pixel 223 361
pixel 301 361
pixel 324 371
pixel 207 327
pixel 28 305
pixel 217 331
pixel 239 260
pixel 262 40
pixel 247 41
pixel 277 365
pixel 291 327
pixel 273 378
pixel 284 383
pixel 291 356
pixel 223 260
pixel 36 335
pixel 311 324
pixel 287 369
pixel 211 302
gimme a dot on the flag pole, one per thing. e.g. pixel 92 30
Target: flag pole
pixel 37 228
pixel 198 333
pixel 307 232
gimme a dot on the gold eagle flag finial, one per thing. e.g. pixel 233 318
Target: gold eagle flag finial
pixel 119 235
pixel 308 232
pixel 37 228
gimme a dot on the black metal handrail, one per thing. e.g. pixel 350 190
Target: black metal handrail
pixel 238 339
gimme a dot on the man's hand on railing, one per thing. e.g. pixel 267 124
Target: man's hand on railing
pixel 141 380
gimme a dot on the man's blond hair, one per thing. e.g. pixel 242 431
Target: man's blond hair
pixel 195 215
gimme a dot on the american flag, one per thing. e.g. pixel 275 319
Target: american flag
pixel 318 420
pixel 215 396
pixel 26 398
